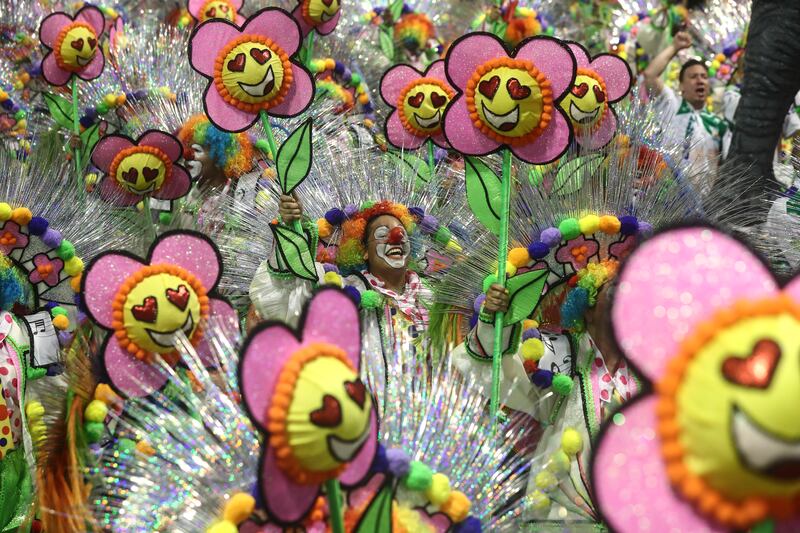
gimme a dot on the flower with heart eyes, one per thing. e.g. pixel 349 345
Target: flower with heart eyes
pixel 146 303
pixel 302 388
pixel 144 167
pixel 73 44
pixel 321 16
pixel 203 10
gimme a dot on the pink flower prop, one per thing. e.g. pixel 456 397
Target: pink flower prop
pixel 144 167
pixel 144 303
pixel 577 252
pixel 203 10
pixel 302 388
pixel 73 45
pixel 11 237
pixel 600 81
pixel 713 446
pixel 46 269
pixel 249 69
pixel 509 100
pixel 419 102
pixel 319 15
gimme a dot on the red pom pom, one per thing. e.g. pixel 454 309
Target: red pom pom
pixel 530 366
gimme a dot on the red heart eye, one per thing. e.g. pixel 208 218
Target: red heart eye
pixel 237 63
pixel 130 175
pixel 438 100
pixel 211 13
pixel 261 56
pixel 92 42
pixel 580 90
pixel 77 44
pixel 149 173
pixel 488 88
pixel 179 298
pixel 224 9
pixel 416 100
pixel 329 415
pixel 357 391
pixel 517 90
pixel 599 94
pixel 755 370
pixel 146 312
pixel 327 2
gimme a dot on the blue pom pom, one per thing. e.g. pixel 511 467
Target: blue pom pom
pixel 574 307
pixel 328 267
pixel 353 293
pixel 38 225
pixel 380 464
pixel 470 525
pixel 473 321
pixel 335 217
pixel 11 289
pixel 542 378
pixel 417 212
pixel 629 225
pixel 538 250
pixel 7 104
pixel 86 122
pixel 338 67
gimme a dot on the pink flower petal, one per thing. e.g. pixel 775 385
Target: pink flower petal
pixel 700 271
pixel 602 135
pixel 467 53
pixel 462 134
pixel 112 193
pixel 195 6
pixel 334 305
pixel 437 70
pixel 616 75
pixel 395 80
pixel 164 142
pixel 630 481
pixel 286 502
pixel 793 288
pixel 102 280
pixel 399 136
pixel 278 26
pixel 582 58
pixel 550 145
pixel 176 186
pixel 236 4
pixel 440 141
pixel 223 317
pixel 358 468
pixel 206 42
pixel 51 26
pixel 240 20
pixel 263 357
pixel 93 17
pixel 192 251
pixel 327 27
pixel 305 27
pixel 553 59
pixel 299 96
pixel 129 375
pixel 107 149
pixel 223 115
pixel 53 74
pixel 94 68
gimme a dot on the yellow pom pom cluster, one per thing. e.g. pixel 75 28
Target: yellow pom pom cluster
pixel 532 350
pixel 332 278
pixel 571 442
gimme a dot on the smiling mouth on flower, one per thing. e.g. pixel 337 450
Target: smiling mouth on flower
pixel 83 61
pixel 506 122
pixel 344 450
pixel 763 452
pixel 167 339
pixel 140 192
pixel 325 17
pixel 582 117
pixel 431 122
pixel 262 88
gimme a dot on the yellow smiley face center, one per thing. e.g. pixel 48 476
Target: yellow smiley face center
pixel 141 170
pixel 76 46
pixel 586 103
pixel 253 73
pixel 320 11
pixel 422 104
pixel 217 9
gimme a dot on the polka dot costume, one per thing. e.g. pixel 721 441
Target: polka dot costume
pixel 10 416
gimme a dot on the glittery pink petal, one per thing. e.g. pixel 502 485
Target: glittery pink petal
pixel 550 145
pixel 192 251
pixel 334 307
pixel 327 27
pixel 94 68
pixel 359 466
pixel 630 481
pixel 437 70
pixel 299 96
pixel 394 81
pixel 114 194
pixel 462 134
pixel 164 142
pixel 195 6
pixel 305 27
pixel 206 42
pixel 51 26
pixel 286 502
pixel 616 75
pixel 603 135
pixel 102 280
pixel 581 56
pixel 240 19
pixel 225 116
pixel 553 59
pixel 399 136
pixel 277 25
pixel 263 358
pixel 176 186
pixel 676 280
pixel 793 288
pixel 53 74
pixel 440 140
pixel 468 53
pixel 237 4
pixel 107 149
pixel 223 317
pixel 129 375
pixel 93 17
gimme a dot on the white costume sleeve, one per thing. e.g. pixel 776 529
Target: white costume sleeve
pixel 278 296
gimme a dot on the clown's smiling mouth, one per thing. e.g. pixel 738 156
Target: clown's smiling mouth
pixel 580 116
pixel 505 122
pixel 262 88
pixel 395 251
pixel 167 339
pixel 431 122
pixel 344 450
pixel 761 451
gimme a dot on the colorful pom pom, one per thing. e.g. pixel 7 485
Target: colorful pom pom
pixel 223 527
pixel 61 322
pixel 429 224
pixel 609 224
pixel 353 293
pixel 333 278
pixel 439 491
pixel 165 218
pixel 419 476
pixel 531 333
pixel 335 217
pixel 324 228
pixel 65 250
pixel 545 481
pixel 371 300
pixel 58 311
pixel 126 445
pixel 5 211
pixel 34 410
pixel 559 462
pixel 629 225
pixel 519 257
pixel 22 216
pixel 443 235
pixel 538 249
pixel 562 384
pixel 538 501
pixel 239 508
pixel 74 266
pixel 457 506
pixel 532 349
pixel 589 224
pixel 569 229
pixel 470 525
pixel 96 411
pixel 94 431
pixel 542 378
pixel 476 306
pixel 52 238
pixel 106 394
pixel 380 464
pixel 399 463
pixel 571 442
pixel 38 226
pixel 530 366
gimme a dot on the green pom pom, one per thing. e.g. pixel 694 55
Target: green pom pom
pixel 367 205
pixel 65 250
pixel 102 108
pixel 19 115
pixel 488 281
pixel 355 79
pixel 371 300
pixel 126 445
pixel 58 311
pixel 165 218
pixel 94 431
pixel 419 477
pixel 442 235
pixel 263 145
pixel 562 384
pixel 569 228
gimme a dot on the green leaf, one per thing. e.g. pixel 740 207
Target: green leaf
pixel 499 28
pixel 89 138
pixel 60 109
pixel 525 291
pixel 387 42
pixel 294 250
pixel 294 158
pixel 484 190
pixel 396 9
pixel 378 516
pixel 571 174
pixel 411 167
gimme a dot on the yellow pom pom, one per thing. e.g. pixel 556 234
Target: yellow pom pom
pixel 589 224
pixel 22 216
pixel 532 349
pixel 538 501
pixel 439 491
pixel 96 411
pixel 144 448
pixel 610 224
pixel 457 506
pixel 324 228
pixel 529 324
pixel 453 246
pixel 34 410
pixel 61 322
pixel 545 481
pixel 105 394
pixel 571 442
pixel 110 99
pixel 368 123
pixel 559 463
pixel 511 270
pixel 223 527
pixel 239 508
pixel 74 266
pixel 3 96
pixel 519 257
pixel 332 278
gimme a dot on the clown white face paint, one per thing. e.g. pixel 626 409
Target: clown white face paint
pixel 392 245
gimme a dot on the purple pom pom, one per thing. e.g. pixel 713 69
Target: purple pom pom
pixel 399 463
pixel 37 226
pixel 538 250
pixel 328 267
pixel 429 224
pixel 479 302
pixel 629 225
pixel 350 210
pixel 417 212
pixel 380 464
pixel 645 228
pixel 470 525
pixel 531 333
pixel 473 321
pixel 335 217
pixel 542 378
pixel 353 293
pixel 52 238
pixel 551 237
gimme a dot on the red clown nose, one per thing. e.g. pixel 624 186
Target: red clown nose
pixel 396 235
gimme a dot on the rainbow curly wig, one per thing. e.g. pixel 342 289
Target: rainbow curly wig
pixel 586 284
pixel 353 246
pixel 12 288
pixel 232 152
